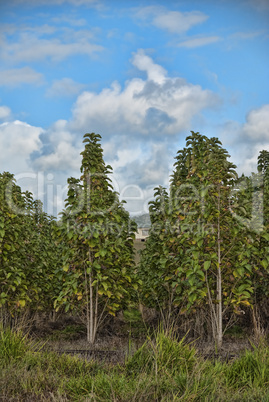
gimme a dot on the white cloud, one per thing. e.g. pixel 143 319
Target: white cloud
pixel 5 112
pixel 17 76
pixel 135 122
pixel 172 21
pixel 63 153
pixel 70 20
pixel 246 35
pixel 154 71
pixel 248 158
pixel 177 22
pixel 64 88
pixel 157 106
pixel 199 41
pixel 137 170
pixel 33 45
pixel 59 2
pixel 247 140
pixel 17 141
pixel 256 127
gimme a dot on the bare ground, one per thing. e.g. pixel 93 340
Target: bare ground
pixel 114 347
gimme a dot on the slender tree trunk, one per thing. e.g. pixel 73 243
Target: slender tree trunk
pixel 95 313
pixel 219 286
pixel 90 303
pixel 87 306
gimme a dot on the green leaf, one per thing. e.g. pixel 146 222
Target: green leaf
pixel 192 297
pixel 207 265
pixel 22 303
pixel 102 252
pixel 265 236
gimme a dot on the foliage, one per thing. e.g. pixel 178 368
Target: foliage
pixel 198 250
pixel 28 253
pixel 99 264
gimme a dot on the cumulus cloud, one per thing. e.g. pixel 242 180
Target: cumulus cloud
pixel 17 76
pixel 64 88
pixel 172 21
pixel 59 151
pixel 137 170
pixel 247 140
pixel 154 71
pixel 256 127
pixel 17 141
pixel 158 105
pixel 135 122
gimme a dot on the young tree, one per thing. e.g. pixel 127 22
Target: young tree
pixel 13 284
pixel 99 232
pixel 217 267
pixel 254 195
pixel 158 265
pixel 206 243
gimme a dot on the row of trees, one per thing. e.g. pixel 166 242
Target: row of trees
pixel 207 250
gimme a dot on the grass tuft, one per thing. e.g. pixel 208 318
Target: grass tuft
pixel 163 369
pixel 164 353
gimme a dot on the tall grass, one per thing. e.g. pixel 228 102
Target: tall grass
pixel 163 369
pixel 251 370
pixel 163 353
pixel 13 345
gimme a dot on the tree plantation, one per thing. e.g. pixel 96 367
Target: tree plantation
pixel 205 264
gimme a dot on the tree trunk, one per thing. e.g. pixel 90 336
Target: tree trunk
pixel 219 334
pixel 87 306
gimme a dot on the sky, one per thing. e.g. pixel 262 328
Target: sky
pixel 142 74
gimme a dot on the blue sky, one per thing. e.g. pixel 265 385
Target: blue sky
pixel 140 73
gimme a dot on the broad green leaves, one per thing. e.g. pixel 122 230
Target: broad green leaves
pixel 28 254
pixel 198 252
pixel 99 264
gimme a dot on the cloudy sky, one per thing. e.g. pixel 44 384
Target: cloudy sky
pixel 140 73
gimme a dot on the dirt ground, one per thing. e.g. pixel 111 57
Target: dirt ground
pixel 114 346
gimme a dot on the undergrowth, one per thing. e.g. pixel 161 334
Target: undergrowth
pixel 163 369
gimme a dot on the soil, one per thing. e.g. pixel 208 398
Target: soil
pixel 114 344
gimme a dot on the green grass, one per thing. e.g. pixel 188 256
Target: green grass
pixel 163 369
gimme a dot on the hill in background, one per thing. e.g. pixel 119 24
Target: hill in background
pixel 142 221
